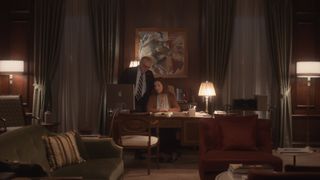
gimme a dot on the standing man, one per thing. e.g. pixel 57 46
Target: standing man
pixel 143 80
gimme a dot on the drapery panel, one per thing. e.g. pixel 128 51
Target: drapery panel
pixel 279 24
pixel 217 24
pixel 105 25
pixel 48 30
pixel 76 86
pixel 250 68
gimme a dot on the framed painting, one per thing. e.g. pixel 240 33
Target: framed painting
pixel 168 49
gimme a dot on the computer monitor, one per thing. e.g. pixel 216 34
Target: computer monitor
pixel 244 104
pixel 120 96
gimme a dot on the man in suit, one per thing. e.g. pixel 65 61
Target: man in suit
pixel 143 80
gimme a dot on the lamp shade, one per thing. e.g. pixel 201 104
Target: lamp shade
pixel 308 69
pixel 134 63
pixel 11 66
pixel 207 89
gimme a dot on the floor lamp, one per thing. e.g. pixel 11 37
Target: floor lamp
pixel 308 69
pixel 10 67
pixel 207 90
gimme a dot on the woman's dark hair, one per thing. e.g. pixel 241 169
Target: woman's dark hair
pixel 164 85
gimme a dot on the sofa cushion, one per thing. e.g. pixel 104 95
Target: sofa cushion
pixel 220 160
pixel 25 145
pixel 110 168
pixel 62 150
pixel 238 133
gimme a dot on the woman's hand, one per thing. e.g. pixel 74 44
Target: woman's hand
pixel 163 110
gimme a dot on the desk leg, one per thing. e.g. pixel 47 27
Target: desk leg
pixel 294 160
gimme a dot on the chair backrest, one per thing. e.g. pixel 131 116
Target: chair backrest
pixel 211 138
pixel 131 124
pixel 11 109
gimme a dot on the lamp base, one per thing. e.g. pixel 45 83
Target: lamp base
pixel 207 102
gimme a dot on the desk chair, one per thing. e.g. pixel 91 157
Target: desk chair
pixel 12 112
pixel 135 132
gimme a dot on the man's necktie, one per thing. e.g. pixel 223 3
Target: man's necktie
pixel 140 85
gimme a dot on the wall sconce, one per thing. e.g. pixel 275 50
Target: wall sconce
pixel 10 67
pixel 134 63
pixel 308 69
pixel 207 90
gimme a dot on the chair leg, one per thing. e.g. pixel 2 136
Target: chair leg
pixel 149 157
pixel 157 156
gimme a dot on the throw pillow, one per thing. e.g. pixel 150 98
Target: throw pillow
pixel 62 150
pixel 238 132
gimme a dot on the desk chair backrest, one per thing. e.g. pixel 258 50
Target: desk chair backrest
pixel 11 110
pixel 135 125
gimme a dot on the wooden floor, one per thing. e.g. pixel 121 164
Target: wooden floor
pixel 186 168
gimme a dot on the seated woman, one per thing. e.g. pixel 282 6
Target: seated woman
pixel 162 101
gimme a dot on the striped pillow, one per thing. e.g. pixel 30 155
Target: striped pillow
pixel 62 150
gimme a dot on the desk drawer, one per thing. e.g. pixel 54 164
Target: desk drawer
pixel 170 123
pixel 190 134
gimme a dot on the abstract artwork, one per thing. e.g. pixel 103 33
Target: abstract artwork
pixel 168 49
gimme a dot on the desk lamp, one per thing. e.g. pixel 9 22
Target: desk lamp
pixel 10 67
pixel 308 69
pixel 134 63
pixel 207 90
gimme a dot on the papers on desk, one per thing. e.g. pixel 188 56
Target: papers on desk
pixel 180 114
pixel 163 114
pixel 202 114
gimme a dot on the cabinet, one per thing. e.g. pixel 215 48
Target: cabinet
pixel 305 130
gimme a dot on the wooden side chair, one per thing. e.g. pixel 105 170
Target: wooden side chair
pixel 12 112
pixel 135 132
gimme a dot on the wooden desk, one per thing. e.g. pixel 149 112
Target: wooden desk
pixel 189 126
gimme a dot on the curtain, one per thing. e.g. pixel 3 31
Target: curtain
pixel 279 20
pixel 104 16
pixel 250 68
pixel 48 30
pixel 217 22
pixel 76 86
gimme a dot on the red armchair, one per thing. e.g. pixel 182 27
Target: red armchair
pixel 234 139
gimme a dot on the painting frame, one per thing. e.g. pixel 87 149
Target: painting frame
pixel 168 48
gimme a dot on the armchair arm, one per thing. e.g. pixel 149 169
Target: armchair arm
pixel 3 120
pixel 29 118
pixel 101 148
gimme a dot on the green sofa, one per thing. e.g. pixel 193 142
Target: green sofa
pixel 103 157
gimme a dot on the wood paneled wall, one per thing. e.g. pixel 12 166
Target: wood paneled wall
pixel 16 42
pixel 164 14
pixel 306 46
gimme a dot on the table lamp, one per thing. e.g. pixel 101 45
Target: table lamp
pixel 207 90
pixel 308 69
pixel 10 67
pixel 134 63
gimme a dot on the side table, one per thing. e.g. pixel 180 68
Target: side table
pixel 51 126
pixel 7 175
pixel 294 152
